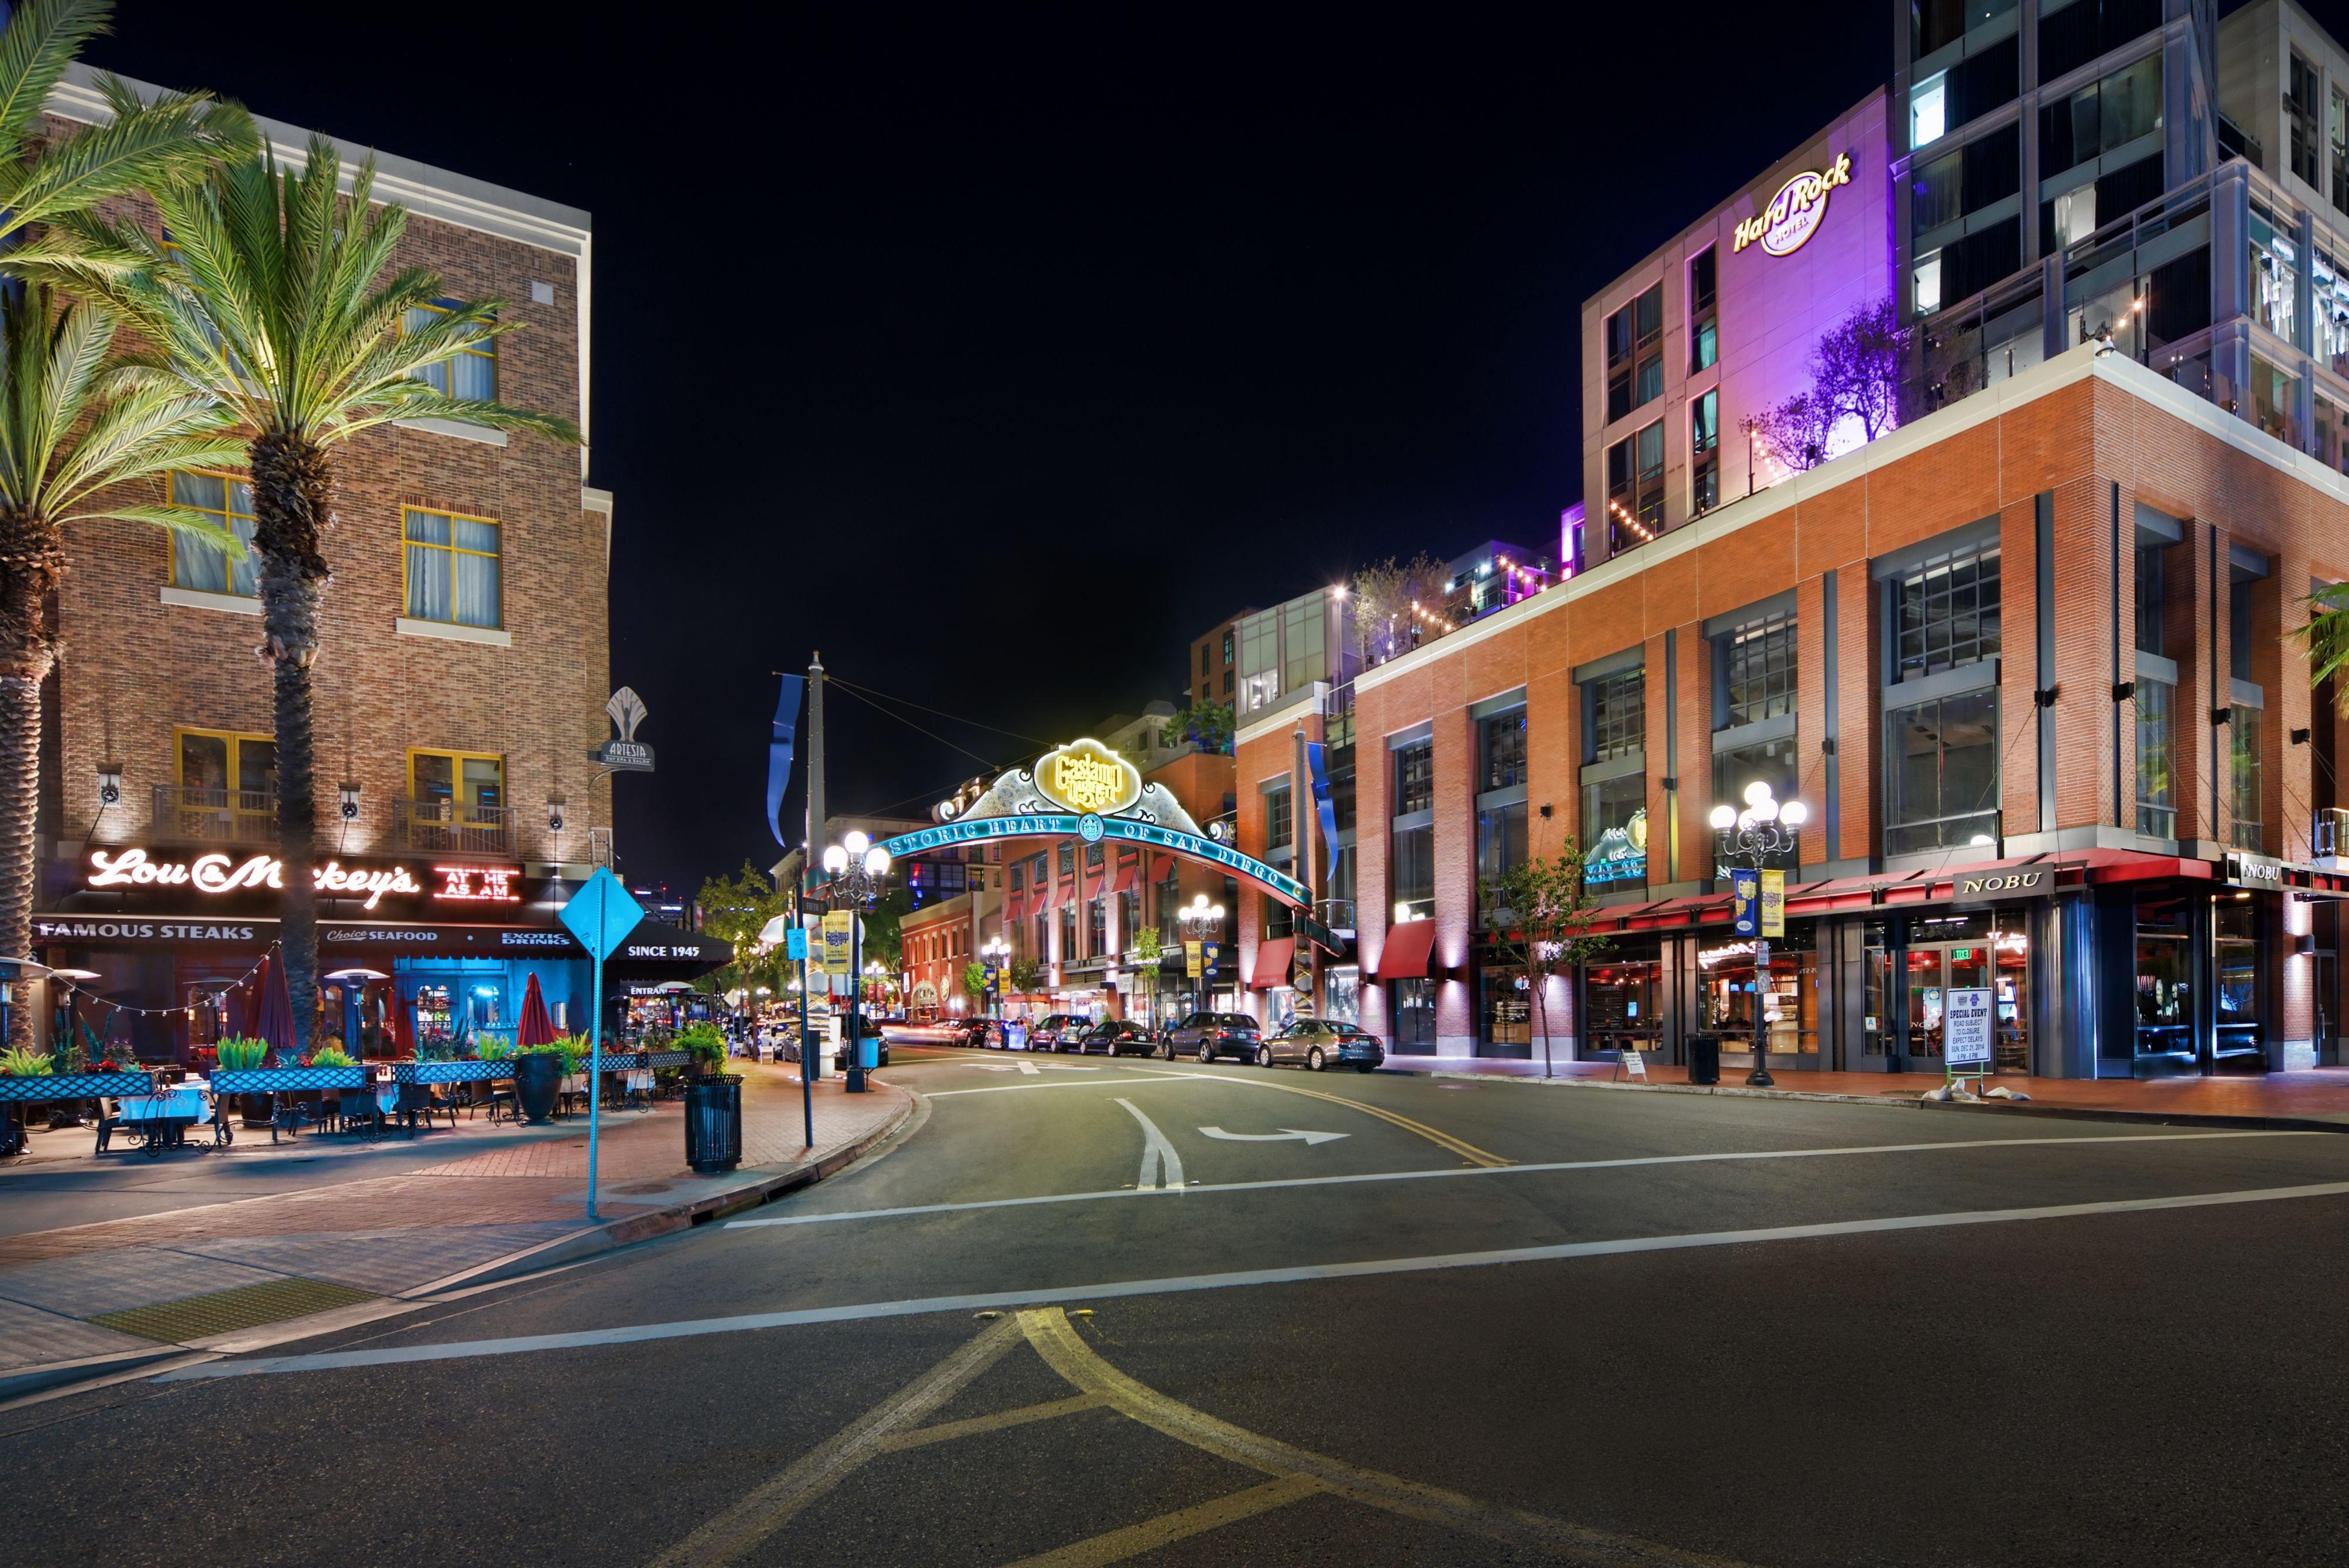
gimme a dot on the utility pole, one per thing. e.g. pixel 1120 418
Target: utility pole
pixel 1304 822
pixel 807 867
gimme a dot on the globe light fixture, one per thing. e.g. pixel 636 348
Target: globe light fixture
pixel 1764 830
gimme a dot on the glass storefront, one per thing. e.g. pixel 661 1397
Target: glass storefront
pixel 1623 992
pixel 1412 1002
pixel 1789 996
pixel 1344 992
pixel 1504 1011
pixel 2239 1033
pixel 2165 979
pixel 1911 964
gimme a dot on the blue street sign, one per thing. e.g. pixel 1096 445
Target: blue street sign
pixel 795 944
pixel 602 914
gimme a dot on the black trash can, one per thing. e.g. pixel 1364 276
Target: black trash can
pixel 713 1124
pixel 1704 1058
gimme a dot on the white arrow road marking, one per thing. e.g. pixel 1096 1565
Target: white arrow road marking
pixel 1284 1135
pixel 1161 1168
pixel 1033 1068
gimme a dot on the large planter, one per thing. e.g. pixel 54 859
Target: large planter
pixel 286 1080
pixel 538 1079
pixel 713 1124
pixel 452 1072
pixel 72 1086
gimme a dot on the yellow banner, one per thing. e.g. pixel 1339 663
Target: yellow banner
pixel 1773 904
pixel 1194 959
pixel 839 936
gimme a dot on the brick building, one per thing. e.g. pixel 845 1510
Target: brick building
pixel 460 689
pixel 1213 675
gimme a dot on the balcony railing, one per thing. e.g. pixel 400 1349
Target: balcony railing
pixel 446 826
pixel 188 813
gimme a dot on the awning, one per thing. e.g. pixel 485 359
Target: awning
pixel 1273 957
pixel 1160 867
pixel 1404 956
pixel 1126 875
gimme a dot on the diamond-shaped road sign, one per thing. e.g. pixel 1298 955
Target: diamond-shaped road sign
pixel 602 914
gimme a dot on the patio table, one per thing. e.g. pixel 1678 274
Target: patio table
pixel 163 1118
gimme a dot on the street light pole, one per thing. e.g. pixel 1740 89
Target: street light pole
pixel 858 867
pixel 1763 829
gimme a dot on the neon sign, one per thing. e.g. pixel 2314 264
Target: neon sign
pixel 1087 776
pixel 216 874
pixel 1796 213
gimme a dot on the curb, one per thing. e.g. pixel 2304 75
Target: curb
pixel 1905 1102
pixel 610 1236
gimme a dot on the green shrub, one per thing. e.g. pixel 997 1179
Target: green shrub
pixel 16 1063
pixel 496 1047
pixel 243 1055
pixel 702 1042
pixel 330 1056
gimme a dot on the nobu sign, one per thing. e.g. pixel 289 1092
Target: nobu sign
pixel 1989 885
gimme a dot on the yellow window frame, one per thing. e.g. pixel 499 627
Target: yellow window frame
pixel 487 348
pixel 226 515
pixel 462 810
pixel 453 549
pixel 236 740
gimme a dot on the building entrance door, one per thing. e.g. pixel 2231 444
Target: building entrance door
pixel 1993 954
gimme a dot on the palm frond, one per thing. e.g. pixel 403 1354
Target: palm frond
pixel 41 39
pixel 179 521
pixel 170 141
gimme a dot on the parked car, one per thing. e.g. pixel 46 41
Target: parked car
pixel 1057 1032
pixel 1118 1037
pixel 972 1032
pixel 1207 1035
pixel 1319 1043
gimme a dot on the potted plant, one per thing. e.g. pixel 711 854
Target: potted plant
pixel 16 1063
pixel 705 1046
pixel 539 1072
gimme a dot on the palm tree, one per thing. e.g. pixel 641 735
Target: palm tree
pixel 265 303
pixel 70 429
pixel 67 428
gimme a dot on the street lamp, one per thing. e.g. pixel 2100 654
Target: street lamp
pixel 1764 829
pixel 1205 918
pixel 996 954
pixel 857 868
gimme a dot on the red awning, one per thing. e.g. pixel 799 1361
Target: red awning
pixel 1126 875
pixel 1160 867
pixel 1273 957
pixel 1404 957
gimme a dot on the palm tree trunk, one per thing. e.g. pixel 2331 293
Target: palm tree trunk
pixel 291 486
pixel 30 558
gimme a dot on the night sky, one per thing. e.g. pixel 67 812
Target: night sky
pixel 997 359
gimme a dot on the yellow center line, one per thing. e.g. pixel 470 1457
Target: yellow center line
pixel 1468 1151
pixel 946 1432
pixel 1168 1528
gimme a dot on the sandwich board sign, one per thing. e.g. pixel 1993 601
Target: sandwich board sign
pixel 1967 1017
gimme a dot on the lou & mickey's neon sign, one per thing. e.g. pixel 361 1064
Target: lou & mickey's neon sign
pixel 216 874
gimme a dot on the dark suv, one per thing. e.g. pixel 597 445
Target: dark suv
pixel 1119 1037
pixel 1207 1035
pixel 1057 1032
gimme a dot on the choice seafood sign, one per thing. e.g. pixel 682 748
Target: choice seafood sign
pixel 1794 214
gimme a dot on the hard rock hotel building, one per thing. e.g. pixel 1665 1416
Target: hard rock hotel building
pixel 2023 648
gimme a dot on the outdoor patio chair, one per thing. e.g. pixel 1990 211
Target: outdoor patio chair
pixel 109 1117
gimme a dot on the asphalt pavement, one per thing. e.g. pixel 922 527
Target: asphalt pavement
pixel 1085 1310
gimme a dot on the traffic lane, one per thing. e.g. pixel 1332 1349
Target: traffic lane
pixel 1199 1240
pixel 1951 1396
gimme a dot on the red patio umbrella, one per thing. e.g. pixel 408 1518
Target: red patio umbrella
pixel 536 1027
pixel 275 1020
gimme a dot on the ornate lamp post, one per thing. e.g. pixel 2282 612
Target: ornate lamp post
pixel 1201 921
pixel 1764 829
pixel 857 868
pixel 996 953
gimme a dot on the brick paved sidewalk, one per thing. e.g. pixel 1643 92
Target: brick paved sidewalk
pixel 362 1236
pixel 2319 1094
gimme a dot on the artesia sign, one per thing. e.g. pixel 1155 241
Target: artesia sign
pixel 1796 213
pixel 217 874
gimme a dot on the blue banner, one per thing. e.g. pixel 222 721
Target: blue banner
pixel 779 753
pixel 1323 804
pixel 1745 887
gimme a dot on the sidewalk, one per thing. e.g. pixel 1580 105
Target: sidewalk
pixel 86 1300
pixel 2318 1097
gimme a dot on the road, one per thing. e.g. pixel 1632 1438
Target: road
pixel 1088 1311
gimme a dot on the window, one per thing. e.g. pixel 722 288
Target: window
pixel 1096 927
pixel 1227 655
pixel 2070 36
pixel 2239 626
pixel 1618 707
pixel 1965 181
pixel 1068 861
pixel 2157 782
pixel 1704 463
pixel 1415 766
pixel 2243 773
pixel 1770 762
pixel 2274 406
pixel 1926 279
pixel 226 780
pixel 461 787
pixel 1413 875
pixel 1941 772
pixel 2074 214
pixel 1501 743
pixel 452 568
pixel 2300 114
pixel 1500 840
pixel 1413 1017
pixel 1705 305
pixel 1946 612
pixel 1635 367
pixel 2337 135
pixel 2150 598
pixel 1635 488
pixel 1279 821
pixel 1068 933
pixel 1757 670
pixel 1928 103
pixel 2275 268
pixel 1618 805
pixel 470 373
pixel 1204 651
pixel 207 568
pixel 2101 118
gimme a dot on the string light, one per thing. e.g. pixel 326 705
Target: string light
pixel 73 989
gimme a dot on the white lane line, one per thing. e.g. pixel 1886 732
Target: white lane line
pixel 1448 1171
pixel 1087 1084
pixel 1161 1168
pixel 1027 1069
pixel 460 1350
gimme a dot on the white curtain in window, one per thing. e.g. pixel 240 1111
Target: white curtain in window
pixel 428 566
pixel 477 377
pixel 477 573
pixel 206 567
